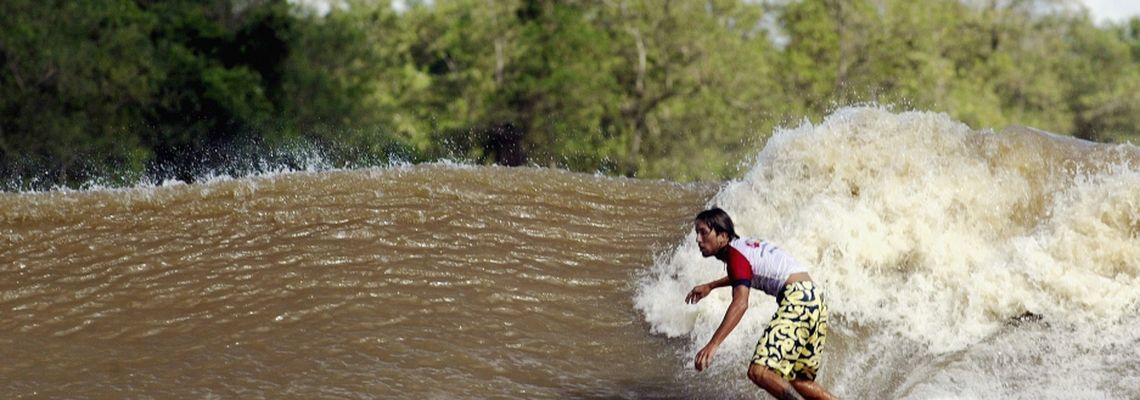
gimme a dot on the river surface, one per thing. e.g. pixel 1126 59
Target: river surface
pixel 958 263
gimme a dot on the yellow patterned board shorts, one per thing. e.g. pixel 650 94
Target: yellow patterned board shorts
pixel 793 342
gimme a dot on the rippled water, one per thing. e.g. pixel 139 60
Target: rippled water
pixel 430 281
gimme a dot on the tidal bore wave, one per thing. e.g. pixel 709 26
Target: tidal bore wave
pixel 960 264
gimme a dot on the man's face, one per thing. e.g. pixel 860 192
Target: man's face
pixel 709 240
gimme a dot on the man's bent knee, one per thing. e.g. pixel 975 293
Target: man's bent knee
pixel 756 373
pixel 765 377
pixel 772 382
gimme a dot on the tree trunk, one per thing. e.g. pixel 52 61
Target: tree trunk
pixel 639 106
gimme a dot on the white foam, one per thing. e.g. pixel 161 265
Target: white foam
pixel 933 233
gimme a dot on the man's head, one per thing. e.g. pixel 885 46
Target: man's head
pixel 714 231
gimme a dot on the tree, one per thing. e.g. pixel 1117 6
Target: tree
pixel 696 85
pixel 221 82
pixel 1105 92
pixel 339 77
pixel 73 77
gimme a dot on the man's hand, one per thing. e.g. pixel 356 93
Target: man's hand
pixel 704 357
pixel 699 292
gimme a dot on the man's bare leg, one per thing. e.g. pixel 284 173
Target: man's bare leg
pixel 772 382
pixel 811 390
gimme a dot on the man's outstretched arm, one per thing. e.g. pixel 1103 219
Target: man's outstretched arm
pixel 732 317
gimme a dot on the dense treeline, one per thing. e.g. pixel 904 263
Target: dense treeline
pixel 122 89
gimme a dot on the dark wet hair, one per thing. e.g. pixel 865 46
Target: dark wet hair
pixel 719 221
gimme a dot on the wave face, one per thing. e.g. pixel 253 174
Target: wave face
pixel 431 281
pixel 958 263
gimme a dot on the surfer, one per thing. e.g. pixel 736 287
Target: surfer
pixel 787 356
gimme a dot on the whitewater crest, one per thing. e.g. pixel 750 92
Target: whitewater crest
pixel 926 229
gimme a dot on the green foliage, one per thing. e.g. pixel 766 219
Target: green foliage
pixel 72 75
pixel 120 90
pixel 221 65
